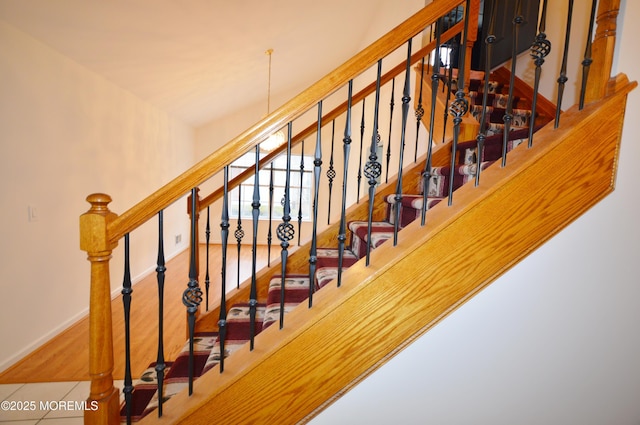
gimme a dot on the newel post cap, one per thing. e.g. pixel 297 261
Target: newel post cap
pixel 93 224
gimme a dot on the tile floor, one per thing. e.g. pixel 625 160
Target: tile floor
pixel 39 400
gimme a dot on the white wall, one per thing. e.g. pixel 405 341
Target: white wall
pixel 553 341
pixel 65 133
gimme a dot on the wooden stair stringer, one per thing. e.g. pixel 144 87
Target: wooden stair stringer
pixel 351 331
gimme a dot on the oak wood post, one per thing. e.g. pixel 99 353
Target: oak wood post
pixel 603 47
pixel 103 401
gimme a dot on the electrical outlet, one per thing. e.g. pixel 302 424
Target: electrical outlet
pixel 178 239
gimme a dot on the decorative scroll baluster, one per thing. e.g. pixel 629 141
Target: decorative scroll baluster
pixel 239 233
pixel 192 296
pixel 270 234
pixel 317 164
pixel 126 301
pixel 331 173
pixel 562 80
pixel 255 214
pixel 160 274
pixel 508 116
pixel 224 238
pixel 482 135
pixel 285 230
pixel 300 197
pixel 586 63
pixel 419 108
pixel 435 78
pixel 460 106
pixel 361 149
pixel 540 49
pixel 342 233
pixel 406 98
pixel 372 169
pixel 207 280
pixel 391 106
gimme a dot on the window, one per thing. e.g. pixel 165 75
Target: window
pixel 298 185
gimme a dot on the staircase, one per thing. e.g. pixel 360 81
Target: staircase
pixel 390 292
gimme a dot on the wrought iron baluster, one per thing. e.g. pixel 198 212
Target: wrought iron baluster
pixel 540 49
pixel 126 301
pixel 435 78
pixel 255 214
pixel 460 106
pixel 192 296
pixel 207 280
pixel 406 98
pixel 285 229
pixel 372 169
pixel 342 237
pixel 391 106
pixel 449 93
pixel 562 80
pixel 482 135
pixel 508 116
pixel 270 234
pixel 331 173
pixel 586 63
pixel 361 149
pixel 224 238
pixel 239 233
pixel 317 164
pixel 160 275
pixel 300 197
pixel 419 108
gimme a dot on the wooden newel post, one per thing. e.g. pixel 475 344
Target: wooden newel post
pixel 103 401
pixel 602 50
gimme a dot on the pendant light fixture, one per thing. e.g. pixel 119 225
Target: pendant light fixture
pixel 276 139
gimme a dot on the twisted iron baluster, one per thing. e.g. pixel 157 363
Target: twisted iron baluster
pixel 160 275
pixel 285 230
pixel 540 49
pixel 435 78
pixel 224 238
pixel 192 296
pixel 373 169
pixel 361 148
pixel 239 233
pixel 586 63
pixel 342 236
pixel 482 135
pixel 255 213
pixel 562 80
pixel 331 173
pixel 207 280
pixel 419 108
pixel 269 234
pixel 460 106
pixel 300 197
pixel 317 163
pixel 126 301
pixel 406 98
pixel 508 116
pixel 391 106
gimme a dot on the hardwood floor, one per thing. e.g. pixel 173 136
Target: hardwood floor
pixel 66 357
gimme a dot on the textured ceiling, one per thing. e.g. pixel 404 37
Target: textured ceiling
pixel 199 59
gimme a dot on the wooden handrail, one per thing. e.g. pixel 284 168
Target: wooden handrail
pixel 215 162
